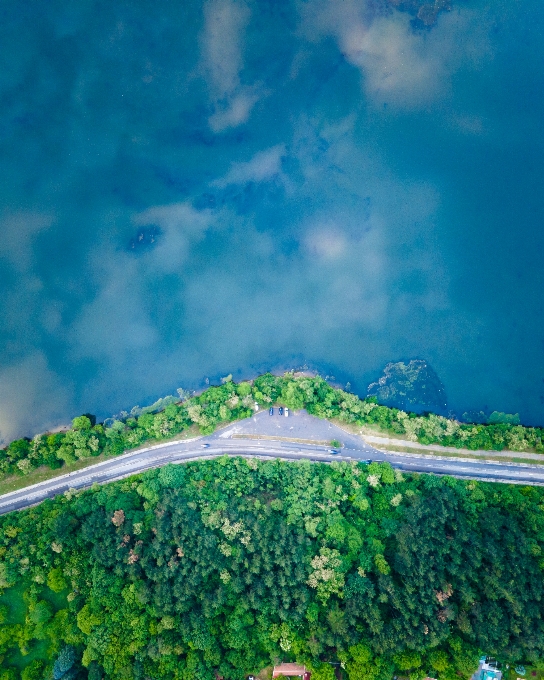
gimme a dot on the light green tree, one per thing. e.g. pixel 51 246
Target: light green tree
pixel 56 580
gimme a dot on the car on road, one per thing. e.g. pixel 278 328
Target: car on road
pixel 205 446
pixel 271 411
pixel 335 451
pixel 280 410
pixel 286 411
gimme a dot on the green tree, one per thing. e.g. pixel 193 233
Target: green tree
pixel 86 620
pixel 439 660
pixel 9 674
pixel 407 660
pixel 361 664
pixel 322 671
pixel 34 670
pixel 243 389
pixel 81 423
pixel 56 580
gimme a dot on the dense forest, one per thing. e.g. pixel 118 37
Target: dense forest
pixel 231 401
pixel 226 566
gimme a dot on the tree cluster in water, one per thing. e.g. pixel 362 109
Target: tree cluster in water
pixel 228 566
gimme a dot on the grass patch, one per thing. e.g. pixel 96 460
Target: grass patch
pixel 376 431
pixel 12 598
pixel 57 600
pixel 350 428
pixel 531 673
pixel 464 453
pixel 43 473
pixel 38 649
pixel 271 438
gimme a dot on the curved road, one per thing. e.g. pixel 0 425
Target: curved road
pixel 261 436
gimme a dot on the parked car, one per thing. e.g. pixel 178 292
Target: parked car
pixel 286 412
pixel 271 411
pixel 368 461
pixel 280 410
pixel 205 446
pixel 335 451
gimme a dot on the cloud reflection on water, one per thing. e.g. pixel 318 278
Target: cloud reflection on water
pixel 300 166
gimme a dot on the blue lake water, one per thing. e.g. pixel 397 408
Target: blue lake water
pixel 195 189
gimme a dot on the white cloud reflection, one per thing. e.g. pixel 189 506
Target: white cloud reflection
pixel 401 66
pixel 222 44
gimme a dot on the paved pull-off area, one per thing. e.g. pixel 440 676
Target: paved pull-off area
pixel 265 436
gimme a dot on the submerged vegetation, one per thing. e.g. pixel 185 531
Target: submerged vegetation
pixel 414 386
pixel 426 13
pixel 227 566
pixel 231 401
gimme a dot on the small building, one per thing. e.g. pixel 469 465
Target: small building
pixel 291 670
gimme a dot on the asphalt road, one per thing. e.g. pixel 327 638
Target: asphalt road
pixel 263 436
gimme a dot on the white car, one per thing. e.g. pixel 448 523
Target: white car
pixel 286 412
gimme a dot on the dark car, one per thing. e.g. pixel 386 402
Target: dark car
pixel 271 411
pixel 368 461
pixel 280 410
pixel 335 451
pixel 205 446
